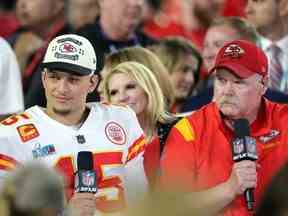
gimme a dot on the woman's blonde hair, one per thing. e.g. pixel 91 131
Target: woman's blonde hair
pixel 151 61
pixel 155 111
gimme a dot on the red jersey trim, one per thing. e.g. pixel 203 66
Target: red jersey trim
pixel 136 148
pixel 7 163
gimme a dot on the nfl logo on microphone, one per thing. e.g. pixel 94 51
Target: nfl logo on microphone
pixel 88 179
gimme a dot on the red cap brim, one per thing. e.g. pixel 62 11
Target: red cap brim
pixel 237 69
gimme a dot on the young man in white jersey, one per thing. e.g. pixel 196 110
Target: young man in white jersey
pixel 56 134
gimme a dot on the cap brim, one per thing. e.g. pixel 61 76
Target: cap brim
pixel 67 67
pixel 236 69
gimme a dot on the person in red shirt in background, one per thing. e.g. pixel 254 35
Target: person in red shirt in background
pixel 234 8
pixel 190 18
pixel 8 21
pixel 197 157
pixel 40 21
pixel 162 18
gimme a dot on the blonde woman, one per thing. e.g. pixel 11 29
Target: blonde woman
pixel 133 84
pixel 150 60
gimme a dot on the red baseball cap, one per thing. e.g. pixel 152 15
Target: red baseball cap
pixel 243 58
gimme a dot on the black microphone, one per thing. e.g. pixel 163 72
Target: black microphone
pixel 85 177
pixel 244 148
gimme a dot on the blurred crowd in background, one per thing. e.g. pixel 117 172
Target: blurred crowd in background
pixel 185 35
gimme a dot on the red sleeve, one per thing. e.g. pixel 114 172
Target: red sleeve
pixel 152 160
pixel 178 164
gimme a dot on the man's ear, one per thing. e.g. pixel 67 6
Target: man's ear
pixel 43 77
pixel 94 79
pixel 283 8
pixel 265 82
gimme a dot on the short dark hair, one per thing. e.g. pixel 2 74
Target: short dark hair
pixel 244 29
pixel 155 4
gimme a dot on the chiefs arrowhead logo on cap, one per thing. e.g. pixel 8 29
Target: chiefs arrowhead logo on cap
pixel 67 48
pixel 72 53
pixel 234 51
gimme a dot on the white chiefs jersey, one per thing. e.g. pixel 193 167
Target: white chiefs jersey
pixel 111 133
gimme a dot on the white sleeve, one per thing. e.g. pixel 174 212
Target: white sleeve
pixel 12 153
pixel 135 178
pixel 11 92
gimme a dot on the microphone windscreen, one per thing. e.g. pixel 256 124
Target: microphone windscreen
pixel 85 160
pixel 241 128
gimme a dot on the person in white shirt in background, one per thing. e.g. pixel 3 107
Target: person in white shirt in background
pixel 270 17
pixel 11 92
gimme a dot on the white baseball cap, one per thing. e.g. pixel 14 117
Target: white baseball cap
pixel 71 53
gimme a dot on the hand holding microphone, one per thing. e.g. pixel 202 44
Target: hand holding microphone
pixel 243 176
pixel 85 177
pixel 83 201
pixel 244 154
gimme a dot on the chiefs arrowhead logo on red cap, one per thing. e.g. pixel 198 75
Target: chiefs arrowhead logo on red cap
pixel 233 51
